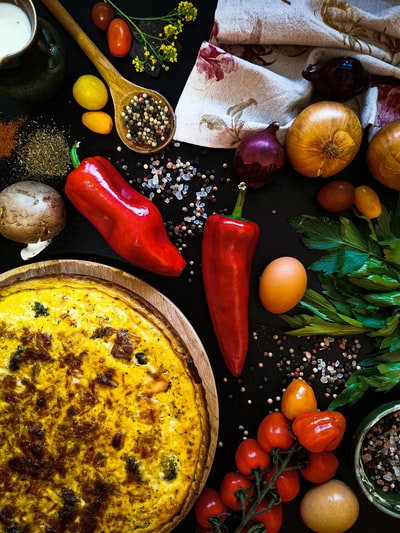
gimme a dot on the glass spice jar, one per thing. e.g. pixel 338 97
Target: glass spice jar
pixel 376 457
pixel 33 61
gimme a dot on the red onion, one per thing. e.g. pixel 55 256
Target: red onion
pixel 339 79
pixel 259 157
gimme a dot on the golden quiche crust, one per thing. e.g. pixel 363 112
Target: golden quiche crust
pixel 104 424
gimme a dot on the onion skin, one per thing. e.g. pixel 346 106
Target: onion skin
pixel 259 158
pixel 323 139
pixel 383 155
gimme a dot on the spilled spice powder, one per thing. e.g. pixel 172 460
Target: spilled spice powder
pixel 44 152
pixel 9 136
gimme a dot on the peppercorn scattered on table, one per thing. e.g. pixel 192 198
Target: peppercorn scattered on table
pixel 155 217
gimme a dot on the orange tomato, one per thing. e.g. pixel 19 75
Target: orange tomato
pixel 297 398
pixel 367 201
pixel 98 122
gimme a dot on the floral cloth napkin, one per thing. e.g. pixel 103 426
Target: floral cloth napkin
pixel 249 73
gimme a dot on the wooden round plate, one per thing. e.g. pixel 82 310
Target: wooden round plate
pixel 153 299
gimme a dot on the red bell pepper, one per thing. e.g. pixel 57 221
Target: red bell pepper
pixel 319 431
pixel 131 224
pixel 228 247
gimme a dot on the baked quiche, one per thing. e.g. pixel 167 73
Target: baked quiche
pixel 104 424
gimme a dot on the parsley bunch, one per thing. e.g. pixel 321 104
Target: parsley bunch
pixel 155 38
pixel 360 279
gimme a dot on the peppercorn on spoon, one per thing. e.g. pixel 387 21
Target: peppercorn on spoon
pixel 133 104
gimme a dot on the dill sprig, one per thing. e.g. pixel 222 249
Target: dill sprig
pixel 156 37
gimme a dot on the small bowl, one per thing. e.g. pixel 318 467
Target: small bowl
pixel 387 501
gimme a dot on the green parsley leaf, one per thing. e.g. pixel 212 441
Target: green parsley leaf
pixel 359 275
pixel 341 262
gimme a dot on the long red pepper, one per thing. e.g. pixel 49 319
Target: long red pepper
pixel 131 224
pixel 228 247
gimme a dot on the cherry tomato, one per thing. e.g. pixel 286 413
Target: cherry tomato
pixel 274 432
pixel 367 201
pixel 297 398
pixel 209 504
pixel 271 518
pixel 119 38
pixel 336 196
pixel 231 483
pixel 90 92
pixel 201 529
pixel 102 15
pixel 322 467
pixel 287 483
pixel 250 456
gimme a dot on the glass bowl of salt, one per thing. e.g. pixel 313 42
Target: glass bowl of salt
pixel 376 457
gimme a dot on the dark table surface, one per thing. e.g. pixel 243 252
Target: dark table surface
pixel 243 402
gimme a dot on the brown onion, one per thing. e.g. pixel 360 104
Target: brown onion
pixel 258 158
pixel 323 139
pixel 383 155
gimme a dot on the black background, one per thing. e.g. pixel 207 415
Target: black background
pixel 243 402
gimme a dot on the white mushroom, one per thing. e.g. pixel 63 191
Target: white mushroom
pixel 32 213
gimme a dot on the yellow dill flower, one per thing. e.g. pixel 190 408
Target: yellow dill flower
pixel 138 64
pixel 155 37
pixel 170 30
pixel 187 11
pixel 169 53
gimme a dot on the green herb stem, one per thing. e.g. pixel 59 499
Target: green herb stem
pixel 359 275
pixel 159 49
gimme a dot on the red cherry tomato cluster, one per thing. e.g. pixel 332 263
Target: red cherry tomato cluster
pixel 269 468
pixel 119 34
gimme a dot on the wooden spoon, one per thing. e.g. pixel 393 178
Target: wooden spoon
pixel 122 91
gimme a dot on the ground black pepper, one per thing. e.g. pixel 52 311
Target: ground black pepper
pixel 44 151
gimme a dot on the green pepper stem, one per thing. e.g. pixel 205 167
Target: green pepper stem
pixel 238 209
pixel 74 154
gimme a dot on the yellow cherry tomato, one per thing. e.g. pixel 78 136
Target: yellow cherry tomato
pixel 90 92
pixel 367 201
pixel 298 397
pixel 98 121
